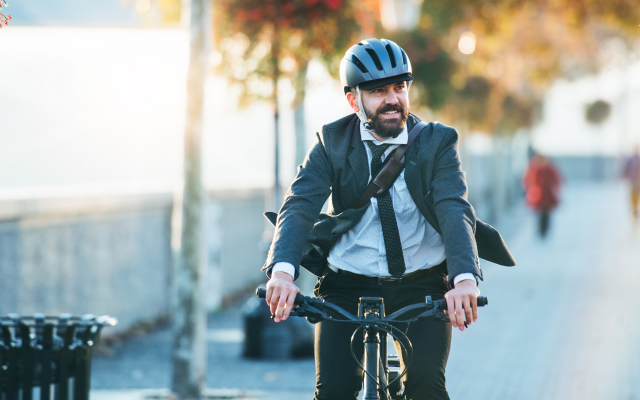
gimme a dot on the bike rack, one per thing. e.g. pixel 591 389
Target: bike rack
pixel 52 353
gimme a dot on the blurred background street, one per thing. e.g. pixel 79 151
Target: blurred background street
pixel 563 324
pixel 93 117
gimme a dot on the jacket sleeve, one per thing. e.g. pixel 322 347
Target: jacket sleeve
pixel 455 215
pixel 302 205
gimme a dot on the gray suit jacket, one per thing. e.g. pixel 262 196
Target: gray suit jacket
pixel 337 166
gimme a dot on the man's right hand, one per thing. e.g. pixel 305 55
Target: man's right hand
pixel 281 293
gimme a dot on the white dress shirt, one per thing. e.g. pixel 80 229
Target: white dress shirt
pixel 361 250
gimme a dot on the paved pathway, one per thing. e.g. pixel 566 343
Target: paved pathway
pixel 564 324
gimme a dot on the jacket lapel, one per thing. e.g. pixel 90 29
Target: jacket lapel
pixel 412 173
pixel 360 166
pixel 413 177
pixel 358 160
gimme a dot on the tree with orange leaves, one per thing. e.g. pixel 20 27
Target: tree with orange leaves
pixel 4 18
pixel 521 47
pixel 266 40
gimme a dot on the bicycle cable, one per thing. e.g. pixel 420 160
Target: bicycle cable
pixel 408 351
pixel 375 379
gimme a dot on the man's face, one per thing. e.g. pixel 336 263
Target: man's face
pixel 387 108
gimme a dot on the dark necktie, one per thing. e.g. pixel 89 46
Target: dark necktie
pixel 395 258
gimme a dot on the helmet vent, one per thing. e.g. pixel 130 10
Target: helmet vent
pixel 375 59
pixel 404 57
pixel 359 64
pixel 392 57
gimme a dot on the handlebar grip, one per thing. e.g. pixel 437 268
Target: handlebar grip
pixel 262 293
pixel 442 304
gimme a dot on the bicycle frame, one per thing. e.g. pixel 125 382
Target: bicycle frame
pixel 376 375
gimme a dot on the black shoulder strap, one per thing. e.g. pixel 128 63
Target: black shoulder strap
pixel 390 170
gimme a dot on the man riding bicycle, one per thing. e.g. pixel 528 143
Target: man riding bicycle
pixel 386 248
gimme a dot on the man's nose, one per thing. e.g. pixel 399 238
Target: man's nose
pixel 391 97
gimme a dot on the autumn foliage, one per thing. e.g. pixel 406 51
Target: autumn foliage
pixel 521 47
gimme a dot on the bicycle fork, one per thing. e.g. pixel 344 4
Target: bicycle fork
pixel 376 349
pixel 373 363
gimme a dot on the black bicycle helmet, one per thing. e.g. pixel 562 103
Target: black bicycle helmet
pixel 373 63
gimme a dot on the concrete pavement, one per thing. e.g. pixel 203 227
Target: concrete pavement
pixel 563 324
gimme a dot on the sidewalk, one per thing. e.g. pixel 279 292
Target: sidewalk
pixel 562 325
pixel 145 363
pixel 140 394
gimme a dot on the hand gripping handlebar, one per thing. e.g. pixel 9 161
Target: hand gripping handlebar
pixel 372 320
pixel 320 304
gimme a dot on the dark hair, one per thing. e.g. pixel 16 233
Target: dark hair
pixel 348 89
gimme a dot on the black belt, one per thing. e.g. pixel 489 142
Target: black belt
pixel 390 280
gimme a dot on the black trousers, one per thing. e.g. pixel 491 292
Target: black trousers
pixel 338 376
pixel 543 226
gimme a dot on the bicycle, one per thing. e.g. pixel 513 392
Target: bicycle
pixel 382 374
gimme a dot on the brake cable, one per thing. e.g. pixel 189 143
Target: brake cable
pixel 407 351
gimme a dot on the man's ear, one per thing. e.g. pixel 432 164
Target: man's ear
pixel 353 102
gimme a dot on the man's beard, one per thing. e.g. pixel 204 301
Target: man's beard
pixel 387 128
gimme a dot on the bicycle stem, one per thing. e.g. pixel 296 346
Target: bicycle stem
pixel 372 309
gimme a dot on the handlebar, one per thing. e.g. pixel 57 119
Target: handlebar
pixel 262 293
pixel 320 305
pixel 371 318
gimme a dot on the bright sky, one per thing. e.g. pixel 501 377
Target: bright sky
pixel 106 106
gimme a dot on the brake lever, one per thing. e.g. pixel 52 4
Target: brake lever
pixel 440 315
pixel 433 313
pixel 312 314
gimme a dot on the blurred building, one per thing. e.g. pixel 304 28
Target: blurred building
pixel 585 150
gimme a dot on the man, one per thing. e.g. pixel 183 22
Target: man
pixel 632 174
pixel 389 237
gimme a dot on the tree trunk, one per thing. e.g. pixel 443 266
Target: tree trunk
pixel 300 123
pixel 189 315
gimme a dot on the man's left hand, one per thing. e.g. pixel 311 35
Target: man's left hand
pixel 462 303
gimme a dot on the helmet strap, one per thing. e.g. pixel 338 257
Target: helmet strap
pixel 362 114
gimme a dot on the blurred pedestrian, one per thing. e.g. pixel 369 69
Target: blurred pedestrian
pixel 542 181
pixel 632 174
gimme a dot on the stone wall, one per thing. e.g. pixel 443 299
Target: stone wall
pixel 111 254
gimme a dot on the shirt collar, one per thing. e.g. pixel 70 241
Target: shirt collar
pixel 402 138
